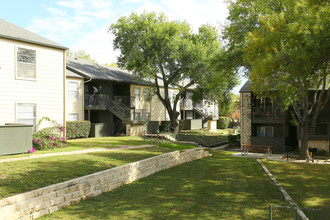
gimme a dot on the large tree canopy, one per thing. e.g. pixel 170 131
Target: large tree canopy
pixel 153 47
pixel 285 46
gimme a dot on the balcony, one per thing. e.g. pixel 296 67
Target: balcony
pixel 186 104
pixel 119 106
pixel 267 113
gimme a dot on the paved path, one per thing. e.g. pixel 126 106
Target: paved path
pixel 279 157
pixel 122 147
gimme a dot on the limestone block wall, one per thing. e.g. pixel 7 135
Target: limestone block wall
pixel 36 203
pixel 246 118
pixel 321 145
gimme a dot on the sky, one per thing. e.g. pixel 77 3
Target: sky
pixel 83 24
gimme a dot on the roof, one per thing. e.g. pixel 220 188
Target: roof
pixel 90 70
pixel 11 31
pixel 246 87
pixel 72 74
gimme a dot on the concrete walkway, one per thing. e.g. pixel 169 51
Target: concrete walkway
pixel 280 157
pixel 31 156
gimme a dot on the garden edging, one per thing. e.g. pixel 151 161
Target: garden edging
pixel 36 203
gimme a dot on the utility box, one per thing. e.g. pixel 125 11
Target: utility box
pixel 212 125
pixel 192 124
pixel 102 129
pixel 15 139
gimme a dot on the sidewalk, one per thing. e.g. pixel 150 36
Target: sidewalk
pixel 279 157
pixel 31 156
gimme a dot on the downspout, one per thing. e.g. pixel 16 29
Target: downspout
pixel 64 88
pixel 88 107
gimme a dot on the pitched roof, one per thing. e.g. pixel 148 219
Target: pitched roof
pixel 11 31
pixel 90 70
pixel 72 74
pixel 246 87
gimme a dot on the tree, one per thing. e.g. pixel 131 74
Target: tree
pixel 153 47
pixel 285 46
pixel 80 54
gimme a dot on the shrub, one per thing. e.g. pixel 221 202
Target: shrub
pixel 223 122
pixel 232 140
pixel 48 138
pixel 77 129
pixel 152 127
pixel 165 126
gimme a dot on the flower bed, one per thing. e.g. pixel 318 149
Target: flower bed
pixel 48 138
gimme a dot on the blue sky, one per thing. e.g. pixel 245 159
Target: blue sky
pixel 83 24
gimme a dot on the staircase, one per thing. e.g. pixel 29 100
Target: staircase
pixel 120 110
pixel 205 116
pixel 312 130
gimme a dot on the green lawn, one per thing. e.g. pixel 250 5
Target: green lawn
pixel 307 184
pixel 103 142
pixel 217 187
pixel 25 175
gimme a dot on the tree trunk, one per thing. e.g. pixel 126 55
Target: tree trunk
pixel 304 152
pixel 174 122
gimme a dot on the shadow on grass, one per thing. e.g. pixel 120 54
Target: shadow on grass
pixel 22 176
pixel 209 188
pixel 307 184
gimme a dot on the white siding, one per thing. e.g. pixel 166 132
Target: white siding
pixel 75 106
pixel 47 91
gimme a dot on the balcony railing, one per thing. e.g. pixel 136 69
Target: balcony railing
pixel 267 113
pixel 187 104
pixel 126 100
pixel 97 100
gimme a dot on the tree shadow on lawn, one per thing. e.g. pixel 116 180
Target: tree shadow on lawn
pixel 22 176
pixel 209 188
pixel 307 184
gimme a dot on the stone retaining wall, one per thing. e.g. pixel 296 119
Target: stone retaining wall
pixel 36 203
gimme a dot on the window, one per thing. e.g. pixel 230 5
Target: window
pixel 26 63
pixel 73 90
pixel 137 94
pixel 146 94
pixel 137 116
pixel 26 114
pixel 73 117
pixel 265 131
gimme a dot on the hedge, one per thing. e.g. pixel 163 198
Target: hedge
pixel 77 129
pixel 223 122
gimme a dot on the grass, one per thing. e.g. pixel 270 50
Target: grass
pixel 103 142
pixel 22 176
pixel 307 184
pixel 217 187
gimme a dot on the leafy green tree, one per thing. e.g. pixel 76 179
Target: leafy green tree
pixel 168 53
pixel 285 47
pixel 80 54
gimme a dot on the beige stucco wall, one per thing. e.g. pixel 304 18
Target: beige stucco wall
pixel 46 91
pixel 158 111
pixel 134 130
pixel 75 106
pixel 245 118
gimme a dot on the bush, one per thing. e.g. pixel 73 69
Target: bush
pixel 223 122
pixel 48 138
pixel 232 140
pixel 165 126
pixel 153 127
pixel 77 129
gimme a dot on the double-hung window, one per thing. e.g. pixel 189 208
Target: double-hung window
pixel 26 63
pixel 265 131
pixel 147 94
pixel 26 114
pixel 73 90
pixel 137 94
